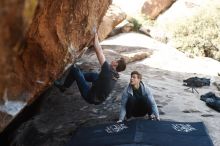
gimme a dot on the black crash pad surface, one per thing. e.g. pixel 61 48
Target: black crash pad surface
pixel 142 132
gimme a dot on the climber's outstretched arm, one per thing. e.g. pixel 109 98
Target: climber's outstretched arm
pixel 98 50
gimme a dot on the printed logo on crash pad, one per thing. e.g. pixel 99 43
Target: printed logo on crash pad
pixel 183 127
pixel 115 128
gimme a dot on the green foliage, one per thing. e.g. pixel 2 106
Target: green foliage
pixel 136 24
pixel 140 20
pixel 199 35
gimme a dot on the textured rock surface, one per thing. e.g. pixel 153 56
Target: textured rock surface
pixel 152 8
pixel 113 17
pixel 60 29
pixel 54 39
pixel 11 31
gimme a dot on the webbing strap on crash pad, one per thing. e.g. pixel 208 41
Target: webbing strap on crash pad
pixel 142 132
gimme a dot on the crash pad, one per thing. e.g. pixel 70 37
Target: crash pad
pixel 142 132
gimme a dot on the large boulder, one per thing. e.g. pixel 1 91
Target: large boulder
pixel 112 18
pixel 152 8
pixel 11 32
pixel 33 56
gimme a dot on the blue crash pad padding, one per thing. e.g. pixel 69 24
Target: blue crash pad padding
pixel 141 132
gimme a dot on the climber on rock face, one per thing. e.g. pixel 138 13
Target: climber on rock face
pixel 102 83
